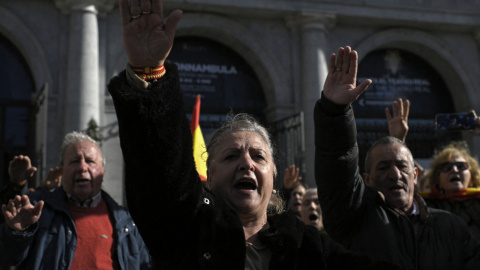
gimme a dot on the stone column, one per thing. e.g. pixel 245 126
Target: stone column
pixel 82 93
pixel 312 27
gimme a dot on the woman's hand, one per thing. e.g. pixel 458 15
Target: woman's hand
pixel 147 37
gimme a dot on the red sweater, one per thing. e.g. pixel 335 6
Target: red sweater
pixel 95 243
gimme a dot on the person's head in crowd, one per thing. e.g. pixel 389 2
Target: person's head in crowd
pixel 83 166
pixel 453 169
pixel 296 196
pixel 311 211
pixel 390 169
pixel 241 167
pixel 423 183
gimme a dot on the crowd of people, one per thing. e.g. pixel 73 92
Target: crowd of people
pixel 237 220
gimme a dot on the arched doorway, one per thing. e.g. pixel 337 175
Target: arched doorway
pixel 401 74
pixel 17 126
pixel 222 77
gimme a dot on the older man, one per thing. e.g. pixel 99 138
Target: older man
pixel 380 215
pixel 78 226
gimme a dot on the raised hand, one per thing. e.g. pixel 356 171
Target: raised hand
pixel 20 214
pixel 291 178
pixel 398 123
pixel 147 37
pixel 54 178
pixel 340 86
pixel 20 168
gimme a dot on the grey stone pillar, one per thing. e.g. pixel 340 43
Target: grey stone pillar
pixel 312 27
pixel 82 93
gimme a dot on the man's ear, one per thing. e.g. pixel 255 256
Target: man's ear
pixel 415 172
pixel 366 179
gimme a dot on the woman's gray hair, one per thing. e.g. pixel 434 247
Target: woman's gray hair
pixel 311 190
pixel 75 137
pixel 240 122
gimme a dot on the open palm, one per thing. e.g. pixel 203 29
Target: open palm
pixel 148 39
pixel 340 85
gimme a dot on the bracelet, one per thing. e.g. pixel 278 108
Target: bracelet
pixel 150 73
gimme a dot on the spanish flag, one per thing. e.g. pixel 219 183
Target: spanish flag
pixel 199 148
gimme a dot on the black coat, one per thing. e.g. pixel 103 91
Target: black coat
pixel 182 223
pixel 359 218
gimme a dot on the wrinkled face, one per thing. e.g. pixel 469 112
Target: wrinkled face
pixel 393 174
pixel 242 172
pixel 456 176
pixel 82 170
pixel 311 212
pixel 296 198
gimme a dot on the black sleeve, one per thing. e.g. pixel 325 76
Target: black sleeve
pixel 340 186
pixel 162 185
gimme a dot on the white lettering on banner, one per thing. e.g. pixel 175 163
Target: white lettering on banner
pixel 209 68
pixel 406 85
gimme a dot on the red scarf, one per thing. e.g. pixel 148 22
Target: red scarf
pixel 461 195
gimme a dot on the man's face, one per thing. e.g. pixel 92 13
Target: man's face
pixel 82 170
pixel 311 212
pixel 393 174
pixel 296 198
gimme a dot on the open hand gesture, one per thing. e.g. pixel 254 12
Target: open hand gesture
pixel 20 214
pixel 54 178
pixel 147 37
pixel 291 177
pixel 20 168
pixel 340 86
pixel 398 123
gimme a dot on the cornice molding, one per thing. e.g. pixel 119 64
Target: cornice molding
pixel 104 6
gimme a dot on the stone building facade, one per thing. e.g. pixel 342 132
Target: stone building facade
pixel 71 48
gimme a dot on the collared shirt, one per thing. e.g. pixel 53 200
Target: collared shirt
pixel 414 217
pixel 415 210
pixel 90 202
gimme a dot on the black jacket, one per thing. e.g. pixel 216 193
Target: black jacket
pixel 182 223
pixel 358 217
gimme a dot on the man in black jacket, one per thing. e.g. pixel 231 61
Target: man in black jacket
pixel 381 215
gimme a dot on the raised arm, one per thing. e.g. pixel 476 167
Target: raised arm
pixel 340 186
pixel 398 122
pixel 162 186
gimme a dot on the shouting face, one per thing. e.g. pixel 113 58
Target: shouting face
pixel 242 172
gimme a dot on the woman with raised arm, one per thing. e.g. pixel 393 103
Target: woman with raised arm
pixel 185 225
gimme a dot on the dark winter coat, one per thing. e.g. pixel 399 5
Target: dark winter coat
pixel 50 243
pixel 183 224
pixel 467 209
pixel 359 218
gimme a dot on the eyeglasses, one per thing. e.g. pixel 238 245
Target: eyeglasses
pixel 447 166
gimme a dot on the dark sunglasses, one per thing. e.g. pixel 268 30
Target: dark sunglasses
pixel 447 166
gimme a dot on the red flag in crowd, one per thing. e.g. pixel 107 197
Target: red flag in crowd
pixel 199 148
